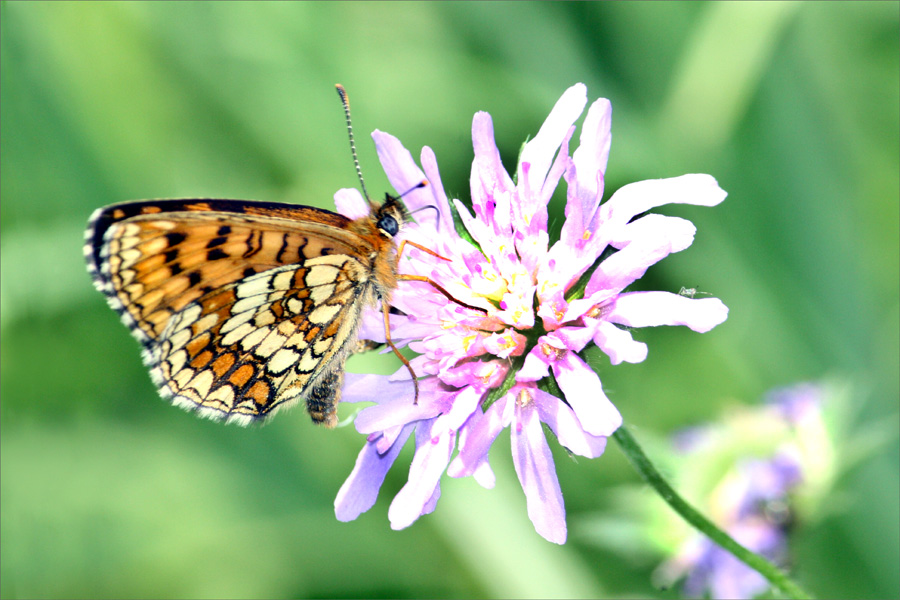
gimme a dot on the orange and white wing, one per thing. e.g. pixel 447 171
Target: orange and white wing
pixel 241 307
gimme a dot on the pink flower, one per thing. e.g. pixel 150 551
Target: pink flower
pixel 540 306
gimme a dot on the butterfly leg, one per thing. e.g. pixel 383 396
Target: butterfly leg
pixel 428 280
pixel 419 247
pixel 440 289
pixel 385 310
pixel 435 285
pixel 321 402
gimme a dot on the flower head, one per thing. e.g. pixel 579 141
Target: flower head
pixel 506 352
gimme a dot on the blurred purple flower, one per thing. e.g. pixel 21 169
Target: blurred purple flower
pixel 752 504
pixel 756 518
pixel 540 306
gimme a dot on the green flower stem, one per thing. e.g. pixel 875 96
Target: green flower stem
pixel 643 465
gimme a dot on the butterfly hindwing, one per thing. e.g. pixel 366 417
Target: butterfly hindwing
pixel 251 347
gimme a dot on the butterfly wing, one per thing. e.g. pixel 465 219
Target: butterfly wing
pixel 241 307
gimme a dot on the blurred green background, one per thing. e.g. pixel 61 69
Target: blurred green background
pixel 109 492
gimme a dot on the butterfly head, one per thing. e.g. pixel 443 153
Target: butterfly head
pixel 390 216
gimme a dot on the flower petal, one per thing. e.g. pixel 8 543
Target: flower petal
pixel 369 387
pixel 481 470
pixel 572 338
pixel 444 226
pixel 489 177
pixel 504 345
pixel 360 491
pixel 561 419
pixel 480 435
pixel 465 402
pixel 646 241
pixel 481 374
pixel 537 474
pixel 635 198
pixel 536 365
pixel 595 140
pixel 651 309
pixel 387 439
pixel 585 179
pixel 581 386
pixel 540 150
pixel 398 408
pixel 401 170
pixel 557 170
pixel 428 464
pixel 618 344
pixel 350 203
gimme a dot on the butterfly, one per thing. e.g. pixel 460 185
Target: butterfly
pixel 241 307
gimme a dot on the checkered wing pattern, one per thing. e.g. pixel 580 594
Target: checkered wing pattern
pixel 242 308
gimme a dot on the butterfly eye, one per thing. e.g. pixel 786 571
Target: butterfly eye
pixel 388 225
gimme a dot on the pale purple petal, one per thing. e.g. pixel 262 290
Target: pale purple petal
pixel 618 344
pixel 557 170
pixel 488 172
pixel 595 140
pixel 718 574
pixel 404 328
pixel 505 344
pixel 371 325
pixel 484 475
pixel 368 387
pixel 572 338
pixel 554 309
pixel 482 374
pixel 474 448
pixel 540 150
pixel 675 232
pixel 465 402
pixel 536 366
pixel 480 232
pixel 445 226
pixel 490 184
pixel 350 203
pixel 565 425
pixel 431 504
pixel 394 409
pixel 401 170
pixel 565 262
pixel 360 491
pixel 581 386
pixel 537 474
pixel 799 403
pixel 481 471
pixel 651 309
pixel 387 439
pixel 635 198
pixel 585 177
pixel 646 241
pixel 428 464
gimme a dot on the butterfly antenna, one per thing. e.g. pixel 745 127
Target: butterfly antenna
pixel 346 102
pixel 419 185
pixel 436 211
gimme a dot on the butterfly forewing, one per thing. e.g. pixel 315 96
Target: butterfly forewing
pixel 241 307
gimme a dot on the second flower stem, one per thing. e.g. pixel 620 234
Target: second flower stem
pixel 756 562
